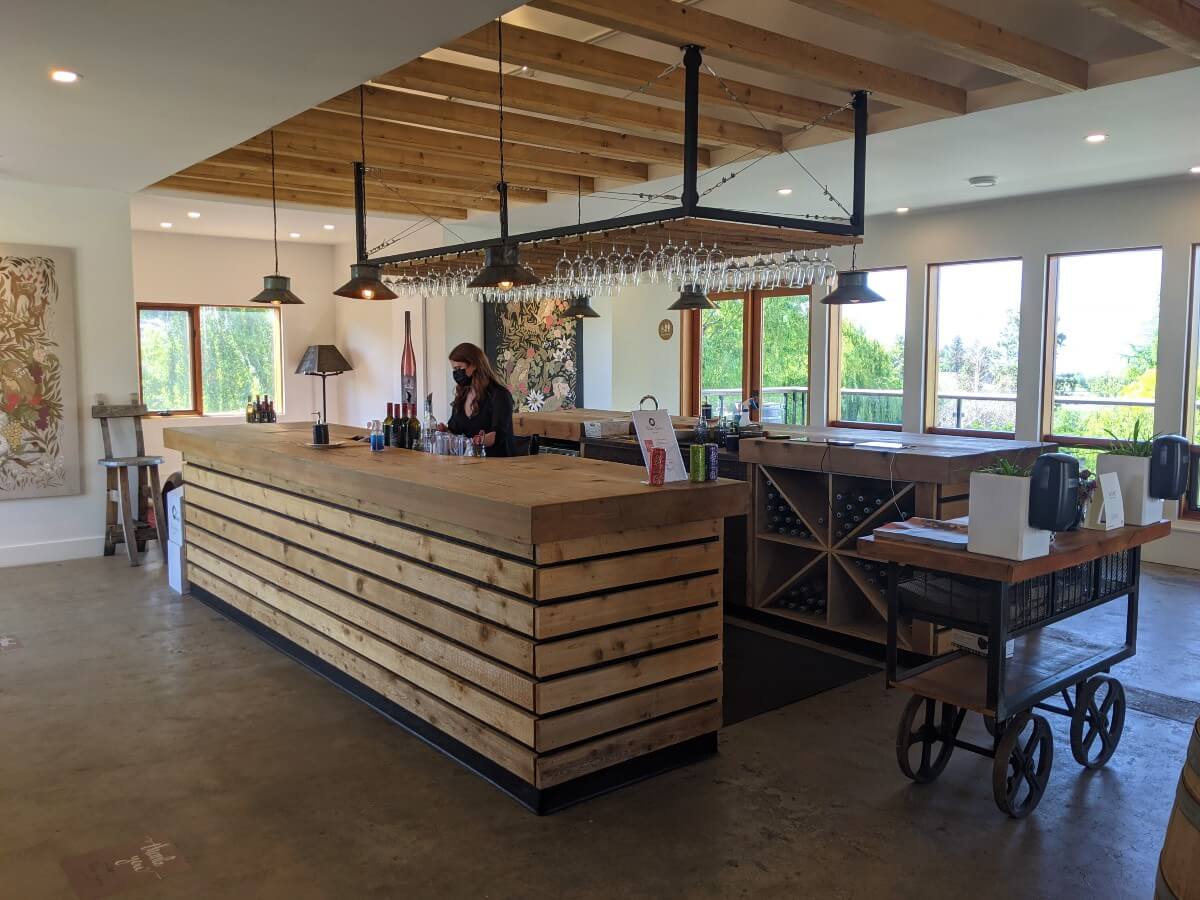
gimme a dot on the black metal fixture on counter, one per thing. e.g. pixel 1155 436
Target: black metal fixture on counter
pixel 323 360
pixel 364 283
pixel 580 307
pixel 692 297
pixel 852 286
pixel 502 268
pixel 277 289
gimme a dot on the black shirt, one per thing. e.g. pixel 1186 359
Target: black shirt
pixel 494 413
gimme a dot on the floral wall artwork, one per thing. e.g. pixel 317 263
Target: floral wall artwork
pixel 39 415
pixel 536 353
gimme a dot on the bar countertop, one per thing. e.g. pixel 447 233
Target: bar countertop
pixel 528 499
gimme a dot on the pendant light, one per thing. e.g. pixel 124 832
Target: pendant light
pixel 852 286
pixel 277 289
pixel 364 283
pixel 692 296
pixel 502 268
pixel 580 307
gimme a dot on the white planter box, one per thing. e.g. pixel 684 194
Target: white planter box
pixel 998 523
pixel 1134 474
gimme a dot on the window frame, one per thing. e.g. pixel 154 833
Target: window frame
pixel 933 351
pixel 1050 308
pixel 833 369
pixel 752 334
pixel 1191 384
pixel 193 310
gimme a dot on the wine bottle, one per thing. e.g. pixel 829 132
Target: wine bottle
pixel 413 436
pixel 271 411
pixel 389 423
pixel 399 426
pixel 249 409
pixel 408 372
pixel 257 409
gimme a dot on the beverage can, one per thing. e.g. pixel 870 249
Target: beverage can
pixel 658 465
pixel 696 462
pixel 712 457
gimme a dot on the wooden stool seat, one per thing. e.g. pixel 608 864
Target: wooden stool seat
pixel 134 528
pixel 135 461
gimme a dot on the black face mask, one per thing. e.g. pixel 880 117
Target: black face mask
pixel 460 376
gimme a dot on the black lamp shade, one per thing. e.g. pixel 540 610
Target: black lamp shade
pixel 852 288
pixel 580 308
pixel 323 359
pixel 277 289
pixel 364 284
pixel 692 297
pixel 502 269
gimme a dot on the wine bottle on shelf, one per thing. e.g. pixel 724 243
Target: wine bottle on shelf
pixel 399 426
pixel 389 423
pixel 257 416
pixel 408 373
pixel 249 409
pixel 413 437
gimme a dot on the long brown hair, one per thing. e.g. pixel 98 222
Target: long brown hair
pixel 484 377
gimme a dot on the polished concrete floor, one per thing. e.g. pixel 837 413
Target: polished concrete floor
pixel 126 710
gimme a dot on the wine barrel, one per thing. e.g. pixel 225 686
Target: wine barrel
pixel 1179 865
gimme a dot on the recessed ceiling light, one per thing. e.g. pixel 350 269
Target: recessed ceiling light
pixel 1096 138
pixel 1195 170
pixel 901 209
pixel 193 215
pixel 783 192
pixel 982 181
pixel 165 224
pixel 64 76
pixel 294 234
pixel 327 227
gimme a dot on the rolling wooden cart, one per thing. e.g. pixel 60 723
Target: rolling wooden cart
pixel 1000 600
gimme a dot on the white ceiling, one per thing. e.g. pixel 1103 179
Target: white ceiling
pixel 168 83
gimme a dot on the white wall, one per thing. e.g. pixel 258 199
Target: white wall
pixel 181 268
pixel 96 225
pixel 642 362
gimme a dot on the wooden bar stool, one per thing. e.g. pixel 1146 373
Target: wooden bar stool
pixel 134 528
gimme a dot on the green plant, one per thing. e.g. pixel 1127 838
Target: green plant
pixel 1135 445
pixel 1006 467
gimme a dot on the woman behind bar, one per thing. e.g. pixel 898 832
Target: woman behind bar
pixel 482 407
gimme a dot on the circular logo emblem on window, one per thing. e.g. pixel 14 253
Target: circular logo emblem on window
pixel 666 329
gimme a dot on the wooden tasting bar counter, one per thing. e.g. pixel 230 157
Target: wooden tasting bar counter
pixel 551 622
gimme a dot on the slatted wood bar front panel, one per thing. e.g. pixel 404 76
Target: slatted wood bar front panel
pixel 553 664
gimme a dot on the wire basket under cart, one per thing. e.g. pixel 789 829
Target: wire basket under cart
pixel 992 603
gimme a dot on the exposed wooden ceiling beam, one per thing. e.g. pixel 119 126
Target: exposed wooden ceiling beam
pixel 467 83
pixel 303 198
pixel 559 168
pixel 415 109
pixel 600 65
pixel 760 48
pixel 1173 23
pixel 341 172
pixel 965 37
pixel 404 194
pixel 442 161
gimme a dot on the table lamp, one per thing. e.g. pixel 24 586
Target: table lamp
pixel 323 360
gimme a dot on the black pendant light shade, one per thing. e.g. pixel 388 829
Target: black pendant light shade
pixel 277 289
pixel 580 308
pixel 503 270
pixel 692 297
pixel 364 284
pixel 852 288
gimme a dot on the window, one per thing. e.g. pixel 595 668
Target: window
pixel 1190 508
pixel 975 322
pixel 866 355
pixel 754 344
pixel 207 359
pixel 1101 346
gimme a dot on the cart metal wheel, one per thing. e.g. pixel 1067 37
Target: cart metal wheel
pixel 931 729
pixel 1097 721
pixel 1021 769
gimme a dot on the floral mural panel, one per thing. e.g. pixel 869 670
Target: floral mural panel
pixel 39 409
pixel 537 353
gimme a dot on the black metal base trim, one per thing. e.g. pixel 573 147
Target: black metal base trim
pixel 542 802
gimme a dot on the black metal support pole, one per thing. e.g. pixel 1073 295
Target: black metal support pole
pixel 360 210
pixel 691 126
pixel 858 214
pixel 324 402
